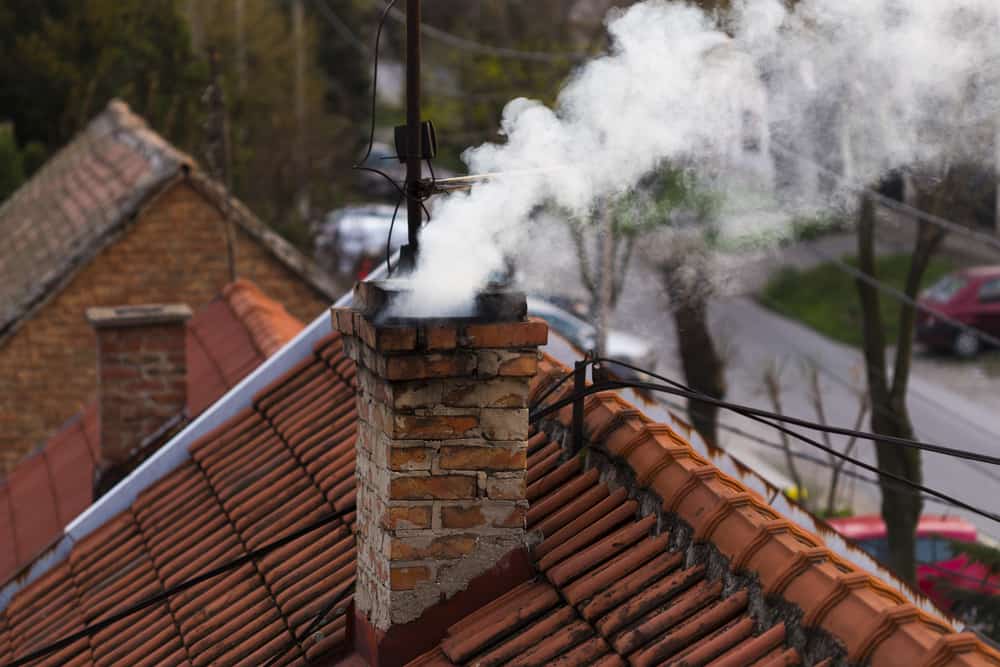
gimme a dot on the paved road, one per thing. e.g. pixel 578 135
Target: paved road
pixel 752 337
pixel 755 336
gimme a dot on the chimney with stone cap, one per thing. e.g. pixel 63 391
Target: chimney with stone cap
pixel 142 374
pixel 441 463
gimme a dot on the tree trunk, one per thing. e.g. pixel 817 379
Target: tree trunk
pixel 687 284
pixel 900 508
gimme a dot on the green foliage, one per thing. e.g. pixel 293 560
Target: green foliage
pixel 61 61
pixel 11 162
pixel 826 299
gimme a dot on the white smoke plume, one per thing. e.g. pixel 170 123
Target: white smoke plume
pixel 863 86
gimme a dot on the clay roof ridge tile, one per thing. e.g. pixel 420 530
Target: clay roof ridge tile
pixel 845 584
pixel 765 531
pixel 728 505
pixel 949 647
pixel 800 562
pixel 694 478
pixel 887 622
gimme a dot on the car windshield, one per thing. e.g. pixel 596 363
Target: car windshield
pixel 944 289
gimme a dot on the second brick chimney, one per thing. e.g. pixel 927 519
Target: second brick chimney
pixel 441 451
pixel 142 374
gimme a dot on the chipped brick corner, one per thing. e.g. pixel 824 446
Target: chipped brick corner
pixel 442 453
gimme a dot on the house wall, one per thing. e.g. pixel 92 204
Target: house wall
pixel 174 253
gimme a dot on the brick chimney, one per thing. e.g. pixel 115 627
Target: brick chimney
pixel 441 467
pixel 141 370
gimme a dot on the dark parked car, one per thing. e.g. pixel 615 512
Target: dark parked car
pixel 970 296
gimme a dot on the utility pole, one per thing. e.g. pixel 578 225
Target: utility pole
pixel 217 151
pixel 241 46
pixel 414 147
pixel 299 37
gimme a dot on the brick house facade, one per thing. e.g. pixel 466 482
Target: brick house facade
pixel 158 238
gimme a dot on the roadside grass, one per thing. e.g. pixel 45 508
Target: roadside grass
pixel 825 298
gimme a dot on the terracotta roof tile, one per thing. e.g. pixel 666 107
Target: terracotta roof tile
pixel 224 343
pixel 617 580
pixel 37 516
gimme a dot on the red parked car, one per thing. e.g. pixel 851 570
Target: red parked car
pixel 939 568
pixel 970 296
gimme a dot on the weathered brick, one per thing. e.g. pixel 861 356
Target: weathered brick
pixel 463 517
pixel 431 547
pixel 506 488
pixel 483 515
pixel 416 516
pixel 410 458
pixel 440 487
pixel 482 458
pixel 178 233
pixel 504 423
pixel 343 320
pixel 406 578
pixel 494 393
pixel 419 427
pixel 424 366
pixel 507 334
pixel 395 339
pixel 524 365
pixel 415 394
pixel 441 337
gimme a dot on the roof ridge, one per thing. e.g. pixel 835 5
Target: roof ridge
pixel 120 115
pixel 745 528
pixel 270 325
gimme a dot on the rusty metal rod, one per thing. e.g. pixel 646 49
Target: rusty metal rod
pixel 414 147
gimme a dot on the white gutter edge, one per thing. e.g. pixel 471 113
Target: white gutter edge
pixel 174 453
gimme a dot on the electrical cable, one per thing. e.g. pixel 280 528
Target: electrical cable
pixel 375 55
pixel 802 455
pixel 486 50
pixel 340 26
pixel 163 596
pixel 910 212
pixel 813 426
pixel 388 241
pixel 679 389
pixel 750 414
pixel 317 621
pixel 903 298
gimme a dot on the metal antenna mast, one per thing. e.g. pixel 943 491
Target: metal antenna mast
pixel 414 148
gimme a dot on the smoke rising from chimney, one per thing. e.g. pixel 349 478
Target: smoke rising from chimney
pixel 863 86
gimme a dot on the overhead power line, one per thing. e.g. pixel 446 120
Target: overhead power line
pixel 802 455
pixel 903 298
pixel 909 212
pixel 340 27
pixel 472 46
pixel 97 626
pixel 765 417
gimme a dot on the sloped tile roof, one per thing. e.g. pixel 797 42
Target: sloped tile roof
pixel 649 555
pixel 83 197
pixel 610 591
pixel 226 339
pixel 87 188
